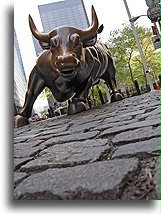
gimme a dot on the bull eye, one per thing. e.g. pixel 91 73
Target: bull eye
pixel 75 40
pixel 54 42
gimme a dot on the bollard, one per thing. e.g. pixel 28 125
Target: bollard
pixel 89 102
pixel 137 87
pixel 49 113
pixel 127 92
pixel 100 95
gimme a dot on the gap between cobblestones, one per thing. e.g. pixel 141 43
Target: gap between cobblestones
pixel 139 155
pixel 42 168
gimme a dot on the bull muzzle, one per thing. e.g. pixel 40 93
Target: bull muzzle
pixel 67 65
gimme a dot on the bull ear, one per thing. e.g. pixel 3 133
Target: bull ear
pixel 100 29
pixel 44 45
pixel 91 41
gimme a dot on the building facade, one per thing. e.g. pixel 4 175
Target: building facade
pixel 20 82
pixel 63 13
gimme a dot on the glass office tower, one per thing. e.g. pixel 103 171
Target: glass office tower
pixel 20 82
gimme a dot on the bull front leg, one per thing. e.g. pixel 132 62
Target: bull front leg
pixel 78 103
pixel 35 87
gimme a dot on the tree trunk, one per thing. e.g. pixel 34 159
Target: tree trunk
pixel 131 74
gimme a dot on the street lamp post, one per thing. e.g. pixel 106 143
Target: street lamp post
pixel 133 19
pixel 139 46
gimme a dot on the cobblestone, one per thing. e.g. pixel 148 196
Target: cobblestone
pixel 81 182
pixel 108 152
pixel 68 154
pixel 145 148
pixel 157 179
pixel 137 134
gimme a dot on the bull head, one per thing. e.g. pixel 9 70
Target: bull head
pixel 88 36
pixel 66 44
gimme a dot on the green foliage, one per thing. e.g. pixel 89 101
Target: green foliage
pixel 45 93
pixel 128 62
pixel 94 95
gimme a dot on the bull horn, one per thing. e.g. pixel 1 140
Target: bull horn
pixel 39 36
pixel 94 25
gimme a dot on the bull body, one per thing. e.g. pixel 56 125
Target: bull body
pixel 64 86
pixel 71 63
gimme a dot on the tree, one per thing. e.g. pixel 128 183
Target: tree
pixel 94 95
pixel 128 62
pixel 45 93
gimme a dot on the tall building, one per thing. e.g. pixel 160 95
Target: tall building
pixel 68 12
pixel 63 13
pixel 20 82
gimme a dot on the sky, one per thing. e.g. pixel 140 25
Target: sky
pixel 111 13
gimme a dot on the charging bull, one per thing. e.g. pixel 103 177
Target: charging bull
pixel 72 62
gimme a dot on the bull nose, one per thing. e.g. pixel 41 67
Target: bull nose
pixel 63 62
pixel 67 64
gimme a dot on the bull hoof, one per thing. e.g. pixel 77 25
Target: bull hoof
pixel 20 120
pixel 76 107
pixel 116 97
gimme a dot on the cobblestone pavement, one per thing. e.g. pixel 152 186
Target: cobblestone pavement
pixel 108 152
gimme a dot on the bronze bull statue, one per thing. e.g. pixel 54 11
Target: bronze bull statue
pixel 72 62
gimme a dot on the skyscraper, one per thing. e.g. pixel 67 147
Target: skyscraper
pixel 63 13
pixel 68 12
pixel 20 83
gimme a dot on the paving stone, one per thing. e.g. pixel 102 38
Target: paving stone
pixel 85 120
pixel 68 138
pixel 51 123
pixel 18 162
pixel 129 113
pixel 82 127
pixel 24 137
pixel 137 134
pixel 139 149
pixel 120 119
pixel 22 130
pixel 157 180
pixel 18 176
pixel 56 122
pixel 100 180
pixel 26 150
pixel 150 112
pixel 68 154
pixel 41 138
pixel 153 117
pixel 55 131
pixel 127 127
